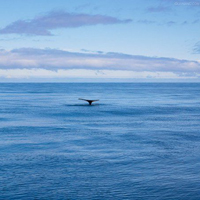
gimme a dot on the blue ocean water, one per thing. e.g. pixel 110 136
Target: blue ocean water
pixel 140 141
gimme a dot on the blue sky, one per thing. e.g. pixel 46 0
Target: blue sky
pixel 47 40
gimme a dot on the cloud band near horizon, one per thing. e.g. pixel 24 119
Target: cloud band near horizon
pixel 53 61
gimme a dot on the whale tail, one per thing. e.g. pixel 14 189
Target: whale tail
pixel 89 101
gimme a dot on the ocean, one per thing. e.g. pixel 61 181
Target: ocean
pixel 140 141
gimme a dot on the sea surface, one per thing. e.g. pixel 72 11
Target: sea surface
pixel 141 141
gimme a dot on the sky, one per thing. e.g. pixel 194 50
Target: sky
pixel 102 40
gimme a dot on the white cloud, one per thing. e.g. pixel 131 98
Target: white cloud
pixel 52 63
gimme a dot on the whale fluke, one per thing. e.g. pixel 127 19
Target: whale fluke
pixel 89 101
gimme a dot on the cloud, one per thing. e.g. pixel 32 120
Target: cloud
pixel 158 9
pixel 196 21
pixel 171 23
pixel 64 74
pixel 145 21
pixel 163 23
pixel 196 48
pixel 53 59
pixel 82 6
pixel 185 23
pixel 43 25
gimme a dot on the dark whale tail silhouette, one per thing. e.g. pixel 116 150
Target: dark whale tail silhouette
pixel 89 101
